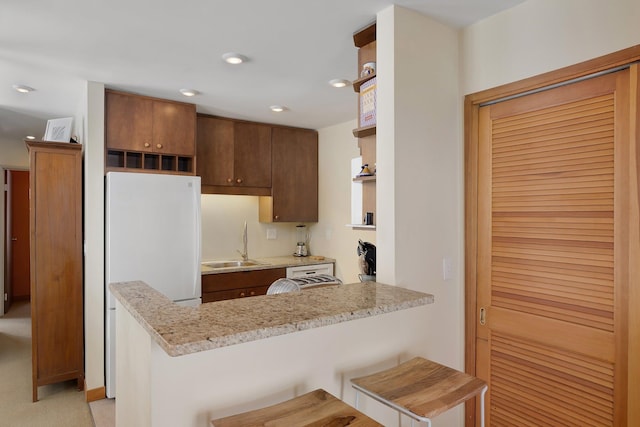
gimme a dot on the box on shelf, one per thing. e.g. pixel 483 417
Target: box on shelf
pixel 368 103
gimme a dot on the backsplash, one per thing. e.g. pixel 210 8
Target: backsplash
pixel 223 219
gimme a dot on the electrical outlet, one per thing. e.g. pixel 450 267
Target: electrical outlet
pixel 272 234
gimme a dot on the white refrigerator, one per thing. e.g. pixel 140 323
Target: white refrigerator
pixel 152 234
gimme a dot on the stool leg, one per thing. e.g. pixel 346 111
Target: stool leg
pixel 427 420
pixel 484 390
pixel 357 396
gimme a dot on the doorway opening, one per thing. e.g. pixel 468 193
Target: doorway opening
pixel 17 238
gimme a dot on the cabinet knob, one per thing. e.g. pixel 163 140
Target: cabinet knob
pixel 252 293
pixel 242 294
pixel 276 217
pixel 158 145
pixel 239 180
pixel 147 145
pixel 14 239
pixel 229 180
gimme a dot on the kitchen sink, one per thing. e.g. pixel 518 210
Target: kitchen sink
pixel 227 264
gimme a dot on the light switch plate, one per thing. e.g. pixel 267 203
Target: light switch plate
pixel 447 268
pixel 272 234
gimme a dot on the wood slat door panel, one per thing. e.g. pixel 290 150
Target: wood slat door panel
pixel 551 201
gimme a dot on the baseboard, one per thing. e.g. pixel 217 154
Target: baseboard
pixel 94 394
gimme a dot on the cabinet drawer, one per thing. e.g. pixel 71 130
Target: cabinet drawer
pixel 234 293
pixel 241 280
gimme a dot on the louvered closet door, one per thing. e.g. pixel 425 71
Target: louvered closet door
pixel 551 200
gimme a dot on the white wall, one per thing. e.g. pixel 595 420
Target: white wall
pixel 420 170
pixel 544 35
pixel 14 155
pixel 331 237
pixel 223 219
pixel 93 142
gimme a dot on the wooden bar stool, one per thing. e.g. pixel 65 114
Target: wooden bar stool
pixel 315 409
pixel 421 389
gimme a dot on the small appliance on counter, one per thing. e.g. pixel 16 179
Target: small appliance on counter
pixel 302 237
pixel 367 260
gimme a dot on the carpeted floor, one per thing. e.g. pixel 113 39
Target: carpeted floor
pixel 104 412
pixel 59 404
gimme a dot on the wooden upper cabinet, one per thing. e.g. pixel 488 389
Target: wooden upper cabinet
pixel 140 123
pixel 279 163
pixel 294 157
pixel 234 156
pixel 252 154
pixel 129 121
pixel 215 151
pixel 174 127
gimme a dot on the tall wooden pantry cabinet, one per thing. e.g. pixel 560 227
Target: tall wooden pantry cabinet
pixel 55 209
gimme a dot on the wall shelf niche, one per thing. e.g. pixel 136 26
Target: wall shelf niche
pixel 365 40
pixel 136 161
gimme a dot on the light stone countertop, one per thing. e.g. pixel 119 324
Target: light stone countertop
pixel 269 263
pixel 184 330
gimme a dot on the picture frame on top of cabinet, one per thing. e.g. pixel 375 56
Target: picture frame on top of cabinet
pixel 58 130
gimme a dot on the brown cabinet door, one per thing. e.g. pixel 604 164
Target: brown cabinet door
pixel 252 154
pixel 294 175
pixel 129 122
pixel 215 151
pixel 174 128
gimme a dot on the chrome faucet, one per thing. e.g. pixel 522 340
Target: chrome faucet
pixel 244 253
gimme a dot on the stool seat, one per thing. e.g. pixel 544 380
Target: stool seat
pixel 315 409
pixel 420 388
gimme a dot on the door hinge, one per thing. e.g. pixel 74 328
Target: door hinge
pixel 6 296
pixel 483 316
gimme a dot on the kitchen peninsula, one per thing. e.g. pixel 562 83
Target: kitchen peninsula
pixel 186 365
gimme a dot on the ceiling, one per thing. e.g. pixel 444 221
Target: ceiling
pixel 156 48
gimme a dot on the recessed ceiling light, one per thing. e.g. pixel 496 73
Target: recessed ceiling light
pixel 234 58
pixel 277 108
pixel 31 137
pixel 339 82
pixel 189 92
pixel 23 88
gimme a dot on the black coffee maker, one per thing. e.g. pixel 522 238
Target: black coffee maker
pixel 367 260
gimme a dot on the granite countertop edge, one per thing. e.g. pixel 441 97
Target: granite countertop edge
pixel 182 330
